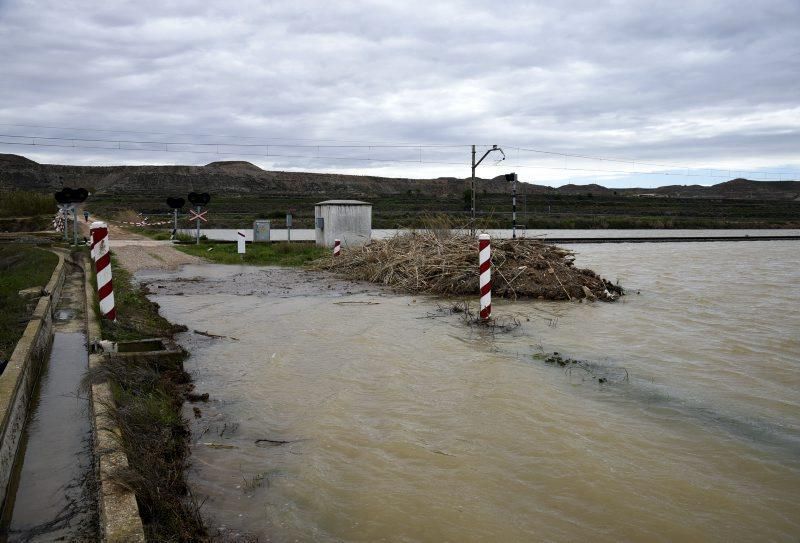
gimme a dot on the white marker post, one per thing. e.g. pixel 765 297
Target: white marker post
pixel 240 240
pixel 337 247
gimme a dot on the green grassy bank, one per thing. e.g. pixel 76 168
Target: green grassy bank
pixel 262 254
pixel 21 267
pixel 148 400
pixel 24 211
pixel 137 317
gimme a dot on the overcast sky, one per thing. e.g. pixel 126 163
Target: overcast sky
pixel 699 84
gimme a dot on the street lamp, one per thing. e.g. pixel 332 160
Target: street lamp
pixel 475 165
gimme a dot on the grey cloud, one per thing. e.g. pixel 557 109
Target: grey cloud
pixel 625 78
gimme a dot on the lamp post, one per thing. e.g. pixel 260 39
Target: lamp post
pixel 475 165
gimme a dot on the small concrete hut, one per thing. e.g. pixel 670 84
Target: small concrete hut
pixel 349 221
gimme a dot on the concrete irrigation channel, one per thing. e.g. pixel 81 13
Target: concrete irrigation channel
pixel 53 477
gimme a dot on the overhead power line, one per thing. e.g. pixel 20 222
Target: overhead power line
pixel 214 152
pixel 231 136
pixel 226 144
pixel 214 149
pixel 326 143
pixel 642 162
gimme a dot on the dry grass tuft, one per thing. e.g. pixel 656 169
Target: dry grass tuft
pixel 154 436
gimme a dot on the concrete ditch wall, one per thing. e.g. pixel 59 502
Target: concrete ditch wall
pixel 118 511
pixel 18 381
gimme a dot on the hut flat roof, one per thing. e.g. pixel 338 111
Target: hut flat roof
pixel 343 203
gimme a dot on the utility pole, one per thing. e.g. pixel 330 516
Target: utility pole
pixel 514 208
pixel 64 213
pixel 475 165
pixel 75 224
pixel 473 190
pixel 513 178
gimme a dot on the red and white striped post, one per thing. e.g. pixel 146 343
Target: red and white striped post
pixel 92 228
pixel 485 261
pixel 102 264
pixel 337 247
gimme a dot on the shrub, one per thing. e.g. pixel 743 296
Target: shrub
pixel 26 204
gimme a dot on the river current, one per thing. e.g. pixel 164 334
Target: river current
pixel 347 413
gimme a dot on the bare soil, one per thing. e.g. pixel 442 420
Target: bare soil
pixel 135 252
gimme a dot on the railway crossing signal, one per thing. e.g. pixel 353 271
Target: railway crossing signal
pixel 198 199
pixel 175 204
pixel 66 199
pixel 194 216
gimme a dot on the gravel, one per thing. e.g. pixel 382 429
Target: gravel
pixel 160 257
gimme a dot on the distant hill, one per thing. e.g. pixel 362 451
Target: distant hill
pixel 592 188
pixel 239 177
pixel 16 160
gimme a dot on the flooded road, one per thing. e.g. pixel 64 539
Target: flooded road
pixel 345 413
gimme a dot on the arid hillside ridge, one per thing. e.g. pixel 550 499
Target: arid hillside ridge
pixel 236 177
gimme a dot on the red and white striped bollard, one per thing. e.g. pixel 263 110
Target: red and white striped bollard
pixel 102 264
pixel 337 247
pixel 485 262
pixel 92 242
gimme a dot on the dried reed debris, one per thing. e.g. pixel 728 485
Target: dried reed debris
pixel 424 262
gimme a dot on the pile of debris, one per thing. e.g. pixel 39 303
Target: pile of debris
pixel 431 263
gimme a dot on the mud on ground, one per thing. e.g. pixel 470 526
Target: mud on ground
pixel 271 281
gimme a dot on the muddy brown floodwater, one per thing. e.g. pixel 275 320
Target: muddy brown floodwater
pixel 386 420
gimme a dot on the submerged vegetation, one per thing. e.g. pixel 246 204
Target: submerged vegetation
pixel 596 372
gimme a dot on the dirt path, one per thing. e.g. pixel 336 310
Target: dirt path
pixel 135 252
